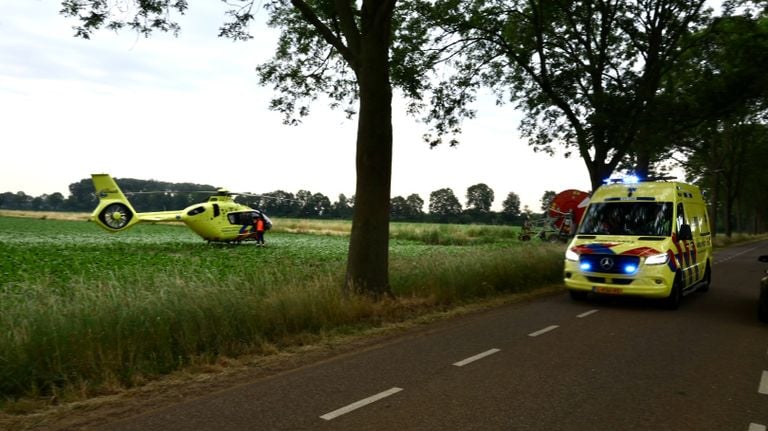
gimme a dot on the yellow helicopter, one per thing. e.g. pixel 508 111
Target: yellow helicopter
pixel 220 219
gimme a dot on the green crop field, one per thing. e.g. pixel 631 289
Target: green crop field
pixel 81 309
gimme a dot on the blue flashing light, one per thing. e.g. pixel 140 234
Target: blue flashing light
pixel 626 179
pixel 585 266
pixel 630 269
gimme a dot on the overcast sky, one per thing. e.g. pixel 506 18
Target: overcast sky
pixel 189 109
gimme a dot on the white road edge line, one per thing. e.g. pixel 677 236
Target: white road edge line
pixel 588 313
pixel 735 255
pixel 361 403
pixel 543 331
pixel 476 357
pixel 763 389
pixel 756 427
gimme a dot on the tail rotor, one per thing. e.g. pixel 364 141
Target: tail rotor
pixel 116 216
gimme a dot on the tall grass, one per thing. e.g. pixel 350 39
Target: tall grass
pixel 123 331
pixel 427 233
pixel 452 234
pixel 86 315
pixel 450 278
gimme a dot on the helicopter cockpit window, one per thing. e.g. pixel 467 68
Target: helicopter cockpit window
pixel 216 210
pixel 196 211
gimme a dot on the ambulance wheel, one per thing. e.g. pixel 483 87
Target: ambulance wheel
pixel 705 282
pixel 578 295
pixel 762 310
pixel 672 302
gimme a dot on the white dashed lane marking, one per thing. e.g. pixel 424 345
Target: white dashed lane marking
pixel 588 313
pixel 763 389
pixel 361 403
pixel 543 331
pixel 756 427
pixel 727 258
pixel 476 357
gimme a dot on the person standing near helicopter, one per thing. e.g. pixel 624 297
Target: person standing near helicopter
pixel 259 227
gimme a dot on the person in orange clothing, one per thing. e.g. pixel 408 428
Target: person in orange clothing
pixel 260 228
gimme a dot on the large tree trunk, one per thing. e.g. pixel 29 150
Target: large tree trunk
pixel 728 218
pixel 368 259
pixel 714 204
pixel 599 172
pixel 643 165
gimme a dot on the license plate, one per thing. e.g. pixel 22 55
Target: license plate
pixel 607 290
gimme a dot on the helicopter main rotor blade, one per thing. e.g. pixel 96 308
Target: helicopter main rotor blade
pixel 267 197
pixel 168 192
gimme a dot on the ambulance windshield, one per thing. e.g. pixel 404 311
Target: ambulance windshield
pixel 628 218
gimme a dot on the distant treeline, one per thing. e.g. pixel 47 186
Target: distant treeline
pixel 151 195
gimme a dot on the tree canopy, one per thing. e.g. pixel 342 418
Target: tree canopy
pixel 480 197
pixel 443 202
pixel 585 74
pixel 546 199
pixel 719 96
pixel 511 206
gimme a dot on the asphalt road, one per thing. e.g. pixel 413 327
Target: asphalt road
pixel 549 364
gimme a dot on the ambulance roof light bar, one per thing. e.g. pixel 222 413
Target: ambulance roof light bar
pixel 626 179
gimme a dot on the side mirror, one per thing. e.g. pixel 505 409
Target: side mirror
pixel 685 233
pixel 763 258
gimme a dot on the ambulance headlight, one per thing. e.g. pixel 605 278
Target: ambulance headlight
pixel 571 255
pixel 656 259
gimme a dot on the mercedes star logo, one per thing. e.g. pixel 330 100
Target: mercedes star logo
pixel 606 263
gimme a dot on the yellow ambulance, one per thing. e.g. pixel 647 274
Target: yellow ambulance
pixel 649 239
